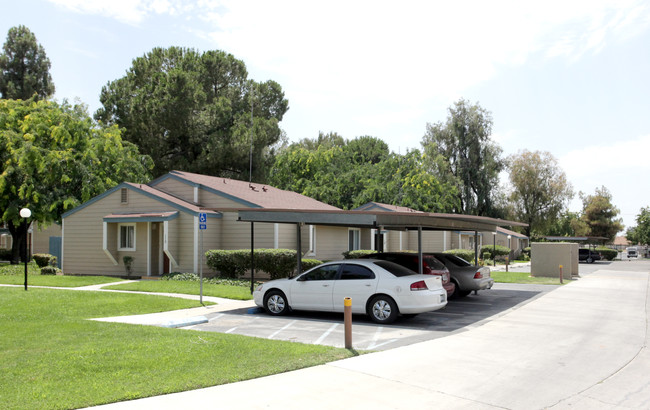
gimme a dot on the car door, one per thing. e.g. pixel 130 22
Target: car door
pixel 313 290
pixel 357 282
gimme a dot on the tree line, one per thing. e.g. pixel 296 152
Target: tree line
pixel 177 108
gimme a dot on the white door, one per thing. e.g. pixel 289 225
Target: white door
pixel 356 282
pixel 313 290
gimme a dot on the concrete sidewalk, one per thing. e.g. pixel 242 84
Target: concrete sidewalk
pixel 581 346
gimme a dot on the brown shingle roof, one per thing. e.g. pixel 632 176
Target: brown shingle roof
pixel 264 196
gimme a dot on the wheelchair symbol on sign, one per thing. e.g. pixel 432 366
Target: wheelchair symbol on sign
pixel 203 217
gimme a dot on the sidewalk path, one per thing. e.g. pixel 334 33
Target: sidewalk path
pixel 582 346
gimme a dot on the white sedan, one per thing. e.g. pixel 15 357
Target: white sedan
pixel 380 289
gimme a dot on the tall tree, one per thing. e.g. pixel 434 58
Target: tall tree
pixel 24 67
pixel 640 234
pixel 461 152
pixel 54 157
pixel 196 112
pixel 359 171
pixel 540 190
pixel 600 214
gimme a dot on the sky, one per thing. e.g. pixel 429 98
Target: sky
pixel 567 77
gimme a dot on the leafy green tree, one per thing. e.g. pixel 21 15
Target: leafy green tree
pixel 540 190
pixel 640 234
pixel 197 112
pixel 55 157
pixel 359 171
pixel 600 214
pixel 460 152
pixel 568 224
pixel 24 67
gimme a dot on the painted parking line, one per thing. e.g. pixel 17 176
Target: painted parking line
pixel 216 317
pixel 327 333
pixel 288 325
pixel 237 327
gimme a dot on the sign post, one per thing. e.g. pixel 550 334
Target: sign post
pixel 203 218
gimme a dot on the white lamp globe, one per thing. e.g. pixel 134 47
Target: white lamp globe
pixel 25 213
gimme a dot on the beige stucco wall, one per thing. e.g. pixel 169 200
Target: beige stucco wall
pixel 41 238
pixel 546 259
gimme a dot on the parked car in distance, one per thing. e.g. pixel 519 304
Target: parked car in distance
pixel 587 255
pixel 466 277
pixel 410 260
pixel 632 252
pixel 381 289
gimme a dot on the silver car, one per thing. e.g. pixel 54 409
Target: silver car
pixel 466 276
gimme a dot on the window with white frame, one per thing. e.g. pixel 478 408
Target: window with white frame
pixel 126 237
pixel 354 239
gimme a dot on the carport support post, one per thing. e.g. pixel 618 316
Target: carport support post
pixel 299 246
pixel 476 247
pixel 252 258
pixel 420 268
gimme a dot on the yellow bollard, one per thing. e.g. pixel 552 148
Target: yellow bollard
pixel 561 275
pixel 347 319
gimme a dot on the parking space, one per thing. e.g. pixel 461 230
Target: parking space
pixel 327 328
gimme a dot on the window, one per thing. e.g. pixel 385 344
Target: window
pixel 126 239
pixel 124 196
pixel 327 272
pixel 352 272
pixel 354 239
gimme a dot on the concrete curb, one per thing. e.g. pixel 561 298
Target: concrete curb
pixel 189 321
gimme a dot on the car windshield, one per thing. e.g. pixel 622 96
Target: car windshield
pixel 395 269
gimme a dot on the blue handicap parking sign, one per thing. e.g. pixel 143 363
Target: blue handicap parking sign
pixel 203 217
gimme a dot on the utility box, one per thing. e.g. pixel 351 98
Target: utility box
pixel 546 258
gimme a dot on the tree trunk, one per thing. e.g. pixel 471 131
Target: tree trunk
pixel 18 241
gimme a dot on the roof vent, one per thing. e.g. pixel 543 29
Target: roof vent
pixel 264 188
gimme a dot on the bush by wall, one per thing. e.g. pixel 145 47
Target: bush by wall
pixel 310 263
pixel 278 263
pixel 490 251
pixel 467 254
pixel 5 254
pixel 357 254
pixel 607 253
pixel 44 259
pixel 49 270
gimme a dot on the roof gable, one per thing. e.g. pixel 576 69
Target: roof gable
pixel 371 206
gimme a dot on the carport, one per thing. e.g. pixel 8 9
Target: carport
pixel 378 220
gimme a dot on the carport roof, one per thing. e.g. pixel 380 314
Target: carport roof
pixel 375 219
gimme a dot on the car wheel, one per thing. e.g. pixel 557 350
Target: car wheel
pixel 458 293
pixel 590 260
pixel 382 309
pixel 275 303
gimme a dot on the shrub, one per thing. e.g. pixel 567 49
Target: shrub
pixel 526 251
pixel 467 254
pixel 49 270
pixel 44 259
pixel 128 262
pixel 491 251
pixel 180 276
pixel 229 264
pixel 607 253
pixel 310 263
pixel 357 254
pixel 278 263
pixel 5 254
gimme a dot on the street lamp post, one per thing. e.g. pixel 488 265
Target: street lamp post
pixel 494 249
pixel 25 213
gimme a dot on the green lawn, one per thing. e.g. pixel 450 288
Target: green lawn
pixel 52 357
pixel 523 277
pixel 188 288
